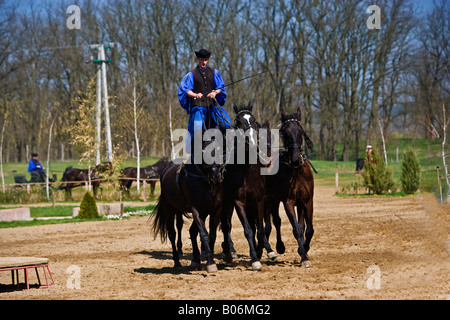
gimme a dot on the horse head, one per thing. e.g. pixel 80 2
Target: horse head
pixel 247 122
pixel 293 136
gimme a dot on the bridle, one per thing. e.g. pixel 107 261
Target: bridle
pixel 294 146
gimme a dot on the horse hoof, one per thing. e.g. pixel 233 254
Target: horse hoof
pixel 195 265
pixel 256 265
pixel 306 264
pixel 272 255
pixel 227 257
pixel 281 248
pixel 234 255
pixel 211 268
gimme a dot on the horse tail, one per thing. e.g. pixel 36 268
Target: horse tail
pixel 160 221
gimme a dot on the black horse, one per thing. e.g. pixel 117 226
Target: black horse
pixel 148 172
pixel 74 177
pixel 195 188
pixel 293 185
pixel 245 189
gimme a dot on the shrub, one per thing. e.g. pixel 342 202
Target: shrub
pixel 377 177
pixel 410 177
pixel 88 207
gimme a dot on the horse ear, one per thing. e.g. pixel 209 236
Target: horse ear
pixel 250 106
pixel 299 114
pixel 235 108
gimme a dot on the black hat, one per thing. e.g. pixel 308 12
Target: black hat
pixel 34 154
pixel 203 53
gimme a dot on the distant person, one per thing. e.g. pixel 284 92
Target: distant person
pixel 369 155
pixel 35 168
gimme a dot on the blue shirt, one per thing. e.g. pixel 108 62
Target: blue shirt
pixel 33 166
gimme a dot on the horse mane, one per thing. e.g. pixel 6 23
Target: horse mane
pixel 248 107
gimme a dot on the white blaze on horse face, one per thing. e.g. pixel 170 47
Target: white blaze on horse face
pixel 247 117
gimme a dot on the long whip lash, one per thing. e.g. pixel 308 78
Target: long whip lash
pixel 258 74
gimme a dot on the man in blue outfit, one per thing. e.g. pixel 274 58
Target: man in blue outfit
pixel 35 168
pixel 202 94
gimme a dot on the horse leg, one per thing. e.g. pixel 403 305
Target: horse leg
pixel 214 221
pixel 229 252
pixel 249 235
pixel 172 233
pixel 261 234
pixel 193 232
pixel 271 208
pixel 204 238
pixel 165 218
pixel 277 223
pixel 297 231
pixel 152 187
pixel 179 217
pixel 95 187
pixel 309 224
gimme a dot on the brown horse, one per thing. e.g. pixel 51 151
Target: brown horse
pixel 293 185
pixel 244 190
pixel 74 177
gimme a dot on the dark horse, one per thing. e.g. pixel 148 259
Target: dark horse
pixel 195 188
pixel 293 185
pixel 74 177
pixel 148 172
pixel 245 188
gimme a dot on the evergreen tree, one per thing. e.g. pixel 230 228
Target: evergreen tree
pixel 410 177
pixel 377 177
pixel 88 207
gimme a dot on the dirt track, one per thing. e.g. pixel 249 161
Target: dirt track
pixel 406 238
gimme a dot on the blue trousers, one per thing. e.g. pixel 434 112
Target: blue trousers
pixel 204 117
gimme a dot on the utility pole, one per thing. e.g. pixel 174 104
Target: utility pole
pixel 101 82
pixel 98 114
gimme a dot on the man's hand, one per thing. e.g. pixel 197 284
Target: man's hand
pixel 213 93
pixel 194 95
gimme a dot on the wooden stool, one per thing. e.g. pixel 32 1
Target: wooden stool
pixel 25 263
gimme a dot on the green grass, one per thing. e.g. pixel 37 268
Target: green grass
pixel 56 211
pixel 36 222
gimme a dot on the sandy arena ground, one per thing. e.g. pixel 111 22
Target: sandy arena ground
pixel 401 241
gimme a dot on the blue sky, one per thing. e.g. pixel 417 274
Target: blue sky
pixel 425 5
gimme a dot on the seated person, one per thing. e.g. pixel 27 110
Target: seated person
pixel 36 169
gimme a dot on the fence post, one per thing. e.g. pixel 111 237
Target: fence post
pixel 144 190
pixel 337 180
pixel 439 182
pixel 28 190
